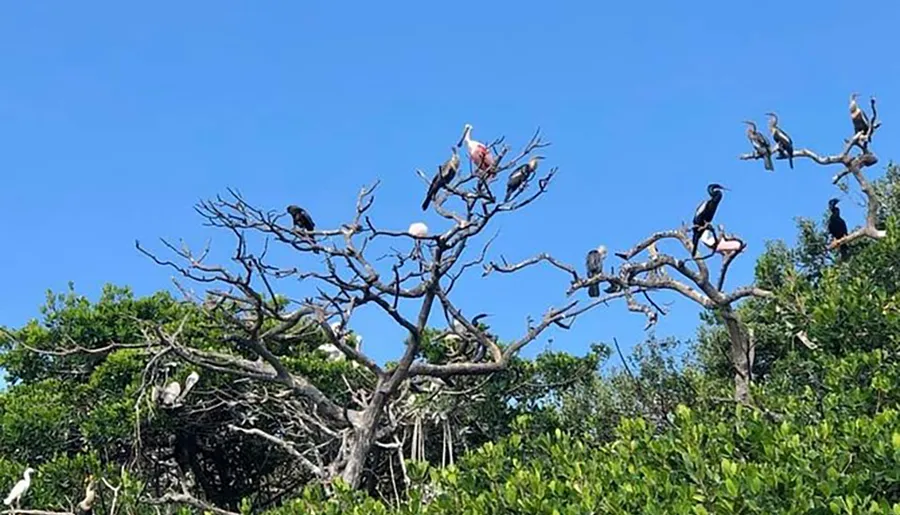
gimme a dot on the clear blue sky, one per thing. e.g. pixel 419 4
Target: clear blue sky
pixel 116 118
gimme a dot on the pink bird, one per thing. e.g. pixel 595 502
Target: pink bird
pixel 478 152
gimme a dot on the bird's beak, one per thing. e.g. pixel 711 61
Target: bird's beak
pixel 463 137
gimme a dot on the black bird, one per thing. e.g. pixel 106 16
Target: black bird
pixel 705 212
pixel 301 218
pixel 520 175
pixel 837 227
pixel 446 173
pixel 760 144
pixel 594 265
pixel 860 120
pixel 783 142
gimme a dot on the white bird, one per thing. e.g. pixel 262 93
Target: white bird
pixel 334 354
pixel 418 230
pixel 15 495
pixel 170 393
pixel 189 383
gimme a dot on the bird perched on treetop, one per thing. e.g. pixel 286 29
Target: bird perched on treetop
pixel 594 265
pixel 858 116
pixel 418 230
pixel 760 144
pixel 783 143
pixel 837 227
pixel 479 154
pixel 520 175
pixel 705 212
pixel 446 173
pixel 301 218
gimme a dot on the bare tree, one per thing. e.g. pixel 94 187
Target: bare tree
pixel 636 281
pixel 853 164
pixel 414 275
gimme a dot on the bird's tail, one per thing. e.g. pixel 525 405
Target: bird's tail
pixel 844 251
pixel 790 153
pixel 594 290
pixel 768 160
pixel 509 193
pixel 426 202
pixel 8 500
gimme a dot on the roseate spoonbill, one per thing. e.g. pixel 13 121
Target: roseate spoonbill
pixel 724 246
pixel 479 154
pixel 860 120
pixel 594 265
pixel 86 506
pixel 301 218
pixel 760 144
pixel 520 175
pixel 706 211
pixel 15 495
pixel 446 173
pixel 783 143
pixel 418 230
pixel 837 227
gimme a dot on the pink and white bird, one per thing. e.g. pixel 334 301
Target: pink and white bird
pixel 479 154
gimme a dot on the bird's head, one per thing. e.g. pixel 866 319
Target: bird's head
pixel 750 125
pixel 773 118
pixel 30 470
pixel 292 209
pixel 833 203
pixel 467 128
pixel 713 188
pixel 602 251
pixel 533 162
pixel 853 97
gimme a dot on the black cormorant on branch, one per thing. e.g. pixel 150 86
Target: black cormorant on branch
pixel 760 144
pixel 705 212
pixel 520 175
pixel 783 143
pixel 837 227
pixel 446 173
pixel 301 218
pixel 594 265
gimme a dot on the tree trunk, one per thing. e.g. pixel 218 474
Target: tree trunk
pixel 362 439
pixel 741 356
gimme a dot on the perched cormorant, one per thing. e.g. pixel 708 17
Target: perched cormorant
pixel 760 144
pixel 446 173
pixel 594 265
pixel 301 218
pixel 520 175
pixel 785 145
pixel 860 120
pixel 837 227
pixel 705 212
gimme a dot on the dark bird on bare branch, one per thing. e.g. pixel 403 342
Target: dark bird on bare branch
pixel 301 218
pixel 837 227
pixel 705 212
pixel 760 144
pixel 860 120
pixel 520 175
pixel 783 143
pixel 446 173
pixel 594 265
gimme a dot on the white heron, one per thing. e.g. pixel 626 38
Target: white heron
pixel 418 230
pixel 90 494
pixel 15 495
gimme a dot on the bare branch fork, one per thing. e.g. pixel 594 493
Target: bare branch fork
pixel 853 164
